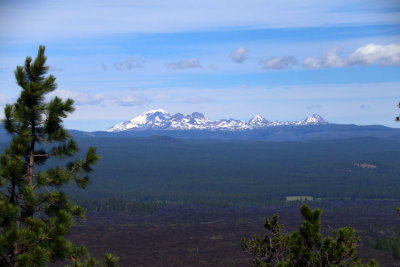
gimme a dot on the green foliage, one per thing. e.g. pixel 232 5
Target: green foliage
pixel 271 249
pixel 35 214
pixel 390 244
pixel 236 173
pixel 306 247
pixel 119 205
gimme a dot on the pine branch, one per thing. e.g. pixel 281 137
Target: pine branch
pixel 41 155
pixel 33 122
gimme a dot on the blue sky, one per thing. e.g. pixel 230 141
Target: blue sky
pixel 282 59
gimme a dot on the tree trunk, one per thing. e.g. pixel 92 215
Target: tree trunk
pixel 31 161
pixel 12 262
pixel 15 253
pixel 32 155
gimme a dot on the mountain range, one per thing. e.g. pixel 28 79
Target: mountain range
pixel 159 119
pixel 159 124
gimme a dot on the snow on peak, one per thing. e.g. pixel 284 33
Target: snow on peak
pixel 149 115
pixel 196 118
pixel 315 118
pixel 159 119
pixel 257 119
pixel 149 119
pixel 155 111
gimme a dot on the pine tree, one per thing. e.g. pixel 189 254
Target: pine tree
pixel 306 247
pixel 35 214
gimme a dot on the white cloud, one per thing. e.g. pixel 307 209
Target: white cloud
pixel 81 98
pixel 129 63
pixel 239 55
pixel 132 101
pixel 278 63
pixel 384 55
pixel 330 59
pixel 370 54
pixel 184 64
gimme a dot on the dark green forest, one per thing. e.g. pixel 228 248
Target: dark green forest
pixel 145 174
pixel 239 173
pixel 244 172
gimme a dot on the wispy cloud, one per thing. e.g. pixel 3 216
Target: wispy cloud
pixel 52 68
pixel 132 101
pixel 161 97
pixel 3 100
pixel 81 98
pixel 213 67
pixel 278 63
pixel 98 99
pixel 80 18
pixel 330 59
pixel 314 106
pixel 239 55
pixel 184 64
pixel 364 107
pixel 370 54
pixel 198 100
pixel 130 63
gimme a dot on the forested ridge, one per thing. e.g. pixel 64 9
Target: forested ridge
pixel 241 172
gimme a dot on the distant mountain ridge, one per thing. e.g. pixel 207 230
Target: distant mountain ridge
pixel 284 133
pixel 160 119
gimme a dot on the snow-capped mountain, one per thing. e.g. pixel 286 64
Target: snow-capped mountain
pixel 258 121
pixel 159 119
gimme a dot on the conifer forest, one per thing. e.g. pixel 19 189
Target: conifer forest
pixel 188 133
